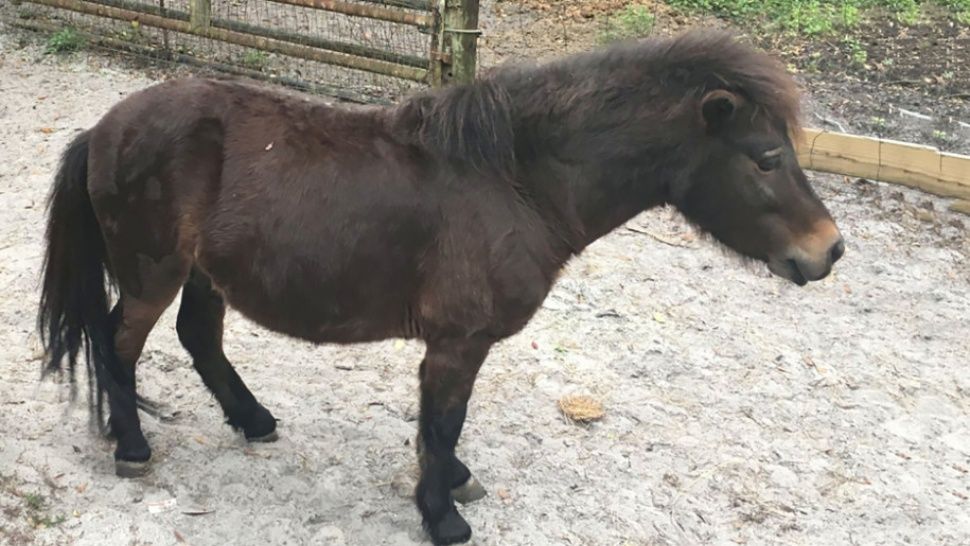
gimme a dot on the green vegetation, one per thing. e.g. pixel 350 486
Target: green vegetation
pixel 816 17
pixel 907 11
pixel 810 17
pixel 26 12
pixel 255 59
pixel 634 21
pixel 64 40
pixel 960 9
pixel 45 520
pixel 34 501
pixel 857 53
pixel 35 509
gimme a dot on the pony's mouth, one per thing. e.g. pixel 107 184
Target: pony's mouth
pixel 796 274
pixel 788 269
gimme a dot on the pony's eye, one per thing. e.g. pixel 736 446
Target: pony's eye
pixel 769 162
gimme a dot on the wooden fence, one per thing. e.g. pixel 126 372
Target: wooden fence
pixel 921 167
pixel 449 28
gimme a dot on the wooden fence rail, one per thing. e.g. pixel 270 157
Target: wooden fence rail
pixel 247 39
pixel 922 167
pixel 372 11
pixel 201 18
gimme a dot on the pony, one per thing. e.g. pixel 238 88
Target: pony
pixel 446 218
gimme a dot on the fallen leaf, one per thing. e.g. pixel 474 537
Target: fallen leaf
pixel 658 316
pixel 178 536
pixel 503 494
pixel 47 130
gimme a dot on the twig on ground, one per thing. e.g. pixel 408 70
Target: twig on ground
pixel 661 238
pixel 902 82
pixel 831 121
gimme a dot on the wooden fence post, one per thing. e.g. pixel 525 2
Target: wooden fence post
pixel 201 14
pixel 459 39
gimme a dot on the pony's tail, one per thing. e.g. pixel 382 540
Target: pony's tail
pixel 73 311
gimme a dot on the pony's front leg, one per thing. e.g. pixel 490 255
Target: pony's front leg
pixel 447 377
pixel 465 488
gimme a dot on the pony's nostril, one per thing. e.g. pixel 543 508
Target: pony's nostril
pixel 837 250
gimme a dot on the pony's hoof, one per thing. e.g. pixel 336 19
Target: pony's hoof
pixel 265 438
pixel 468 492
pixel 452 529
pixel 259 425
pixel 131 469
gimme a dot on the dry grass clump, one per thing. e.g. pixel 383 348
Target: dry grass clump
pixel 581 409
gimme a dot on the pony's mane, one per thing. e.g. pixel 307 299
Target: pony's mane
pixel 470 124
pixel 474 124
pixel 708 59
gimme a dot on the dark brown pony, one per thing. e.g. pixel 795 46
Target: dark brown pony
pixel 446 218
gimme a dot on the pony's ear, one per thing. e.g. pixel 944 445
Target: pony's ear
pixel 718 108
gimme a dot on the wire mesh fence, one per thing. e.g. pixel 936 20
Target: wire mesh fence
pixel 294 42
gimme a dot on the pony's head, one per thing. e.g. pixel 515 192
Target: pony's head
pixel 744 185
pixel 748 191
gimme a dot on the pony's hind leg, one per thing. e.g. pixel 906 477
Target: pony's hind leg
pixel 132 320
pixel 199 326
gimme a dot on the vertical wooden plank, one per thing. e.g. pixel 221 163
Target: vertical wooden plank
pixel 438 52
pixel 461 34
pixel 901 159
pixel 200 14
pixel 955 168
pixel 917 167
pixel 803 145
pixel 843 154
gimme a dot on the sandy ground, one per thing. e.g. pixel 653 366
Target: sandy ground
pixel 739 409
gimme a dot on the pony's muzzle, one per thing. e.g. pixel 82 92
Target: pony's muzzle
pixel 811 257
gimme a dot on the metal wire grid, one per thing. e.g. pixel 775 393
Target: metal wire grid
pixel 307 26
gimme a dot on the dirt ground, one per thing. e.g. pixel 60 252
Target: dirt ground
pixel 739 409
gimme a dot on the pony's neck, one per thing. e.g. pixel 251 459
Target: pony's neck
pixel 586 168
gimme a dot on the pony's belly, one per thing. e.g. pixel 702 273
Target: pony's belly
pixel 319 313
